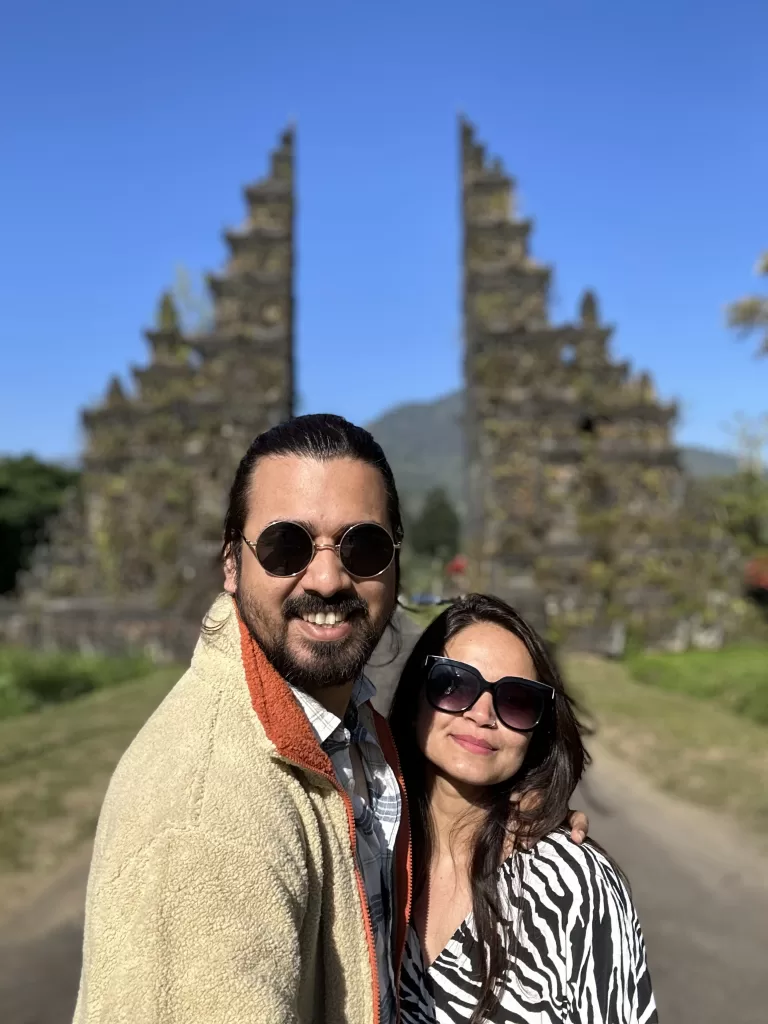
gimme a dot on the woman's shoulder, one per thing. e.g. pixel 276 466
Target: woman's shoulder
pixel 585 869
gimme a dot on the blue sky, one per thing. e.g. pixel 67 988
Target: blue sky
pixel 637 133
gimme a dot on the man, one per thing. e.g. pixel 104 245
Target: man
pixel 251 861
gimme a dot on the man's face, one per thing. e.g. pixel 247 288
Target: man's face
pixel 327 497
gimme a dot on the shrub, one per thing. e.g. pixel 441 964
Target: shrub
pixel 29 679
pixel 736 678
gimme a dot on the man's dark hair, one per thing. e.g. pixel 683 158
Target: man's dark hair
pixel 320 436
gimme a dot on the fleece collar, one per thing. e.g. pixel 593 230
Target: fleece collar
pixel 283 720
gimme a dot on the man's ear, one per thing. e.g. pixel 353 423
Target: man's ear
pixel 230 572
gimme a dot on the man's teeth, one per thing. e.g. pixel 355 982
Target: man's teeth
pixel 324 618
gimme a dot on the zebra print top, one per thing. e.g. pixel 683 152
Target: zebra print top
pixel 580 954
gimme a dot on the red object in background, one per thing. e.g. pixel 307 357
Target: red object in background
pixel 756 574
pixel 457 565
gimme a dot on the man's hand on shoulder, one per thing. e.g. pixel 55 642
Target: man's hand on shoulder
pixel 579 823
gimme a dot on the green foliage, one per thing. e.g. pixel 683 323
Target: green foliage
pixel 692 748
pixel 31 492
pixel 736 678
pixel 436 531
pixel 740 503
pixel 750 314
pixel 54 768
pixel 29 680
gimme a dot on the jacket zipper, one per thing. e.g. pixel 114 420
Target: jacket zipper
pixel 404 816
pixel 371 942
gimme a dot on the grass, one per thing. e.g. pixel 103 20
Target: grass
pixel 55 762
pixel 30 679
pixel 54 768
pixel 736 678
pixel 691 747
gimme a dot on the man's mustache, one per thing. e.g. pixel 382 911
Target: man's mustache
pixel 311 604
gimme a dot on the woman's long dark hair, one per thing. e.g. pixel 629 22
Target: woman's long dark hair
pixel 530 805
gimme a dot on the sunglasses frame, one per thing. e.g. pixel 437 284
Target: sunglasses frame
pixel 433 660
pixel 253 544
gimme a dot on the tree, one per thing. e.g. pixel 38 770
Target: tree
pixel 31 492
pixel 750 314
pixel 436 531
pixel 741 500
pixel 742 504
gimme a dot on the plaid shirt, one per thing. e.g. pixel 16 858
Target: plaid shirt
pixel 376 822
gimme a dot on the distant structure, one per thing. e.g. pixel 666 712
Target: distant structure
pixel 578 510
pixel 131 560
pixel 577 502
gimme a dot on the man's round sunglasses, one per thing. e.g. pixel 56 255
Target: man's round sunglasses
pixel 454 688
pixel 285 549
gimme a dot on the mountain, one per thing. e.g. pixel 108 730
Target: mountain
pixel 703 462
pixel 423 442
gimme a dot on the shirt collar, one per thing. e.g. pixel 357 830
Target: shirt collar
pixel 324 723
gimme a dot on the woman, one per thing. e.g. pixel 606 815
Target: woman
pixel 511 922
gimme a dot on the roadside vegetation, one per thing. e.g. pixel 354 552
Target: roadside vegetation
pixel 31 493
pixel 735 678
pixel 55 764
pixel 690 745
pixel 30 680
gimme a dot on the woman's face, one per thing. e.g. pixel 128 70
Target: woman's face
pixel 474 747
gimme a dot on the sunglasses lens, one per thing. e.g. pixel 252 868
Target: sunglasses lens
pixel 450 688
pixel 284 549
pixel 519 706
pixel 366 550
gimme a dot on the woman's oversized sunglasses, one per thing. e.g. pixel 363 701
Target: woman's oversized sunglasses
pixel 454 688
pixel 286 548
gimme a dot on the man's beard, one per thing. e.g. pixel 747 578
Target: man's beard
pixel 325 662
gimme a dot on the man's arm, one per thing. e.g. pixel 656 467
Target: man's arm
pixel 183 934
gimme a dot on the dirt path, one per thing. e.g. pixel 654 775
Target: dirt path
pixel 701 890
pixel 40 951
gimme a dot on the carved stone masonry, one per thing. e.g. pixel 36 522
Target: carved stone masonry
pixel 578 508
pixel 577 500
pixel 140 537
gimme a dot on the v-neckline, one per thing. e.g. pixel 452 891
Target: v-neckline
pixel 467 923
pixel 455 937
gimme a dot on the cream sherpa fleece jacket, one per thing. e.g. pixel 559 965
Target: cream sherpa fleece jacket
pixel 224 887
